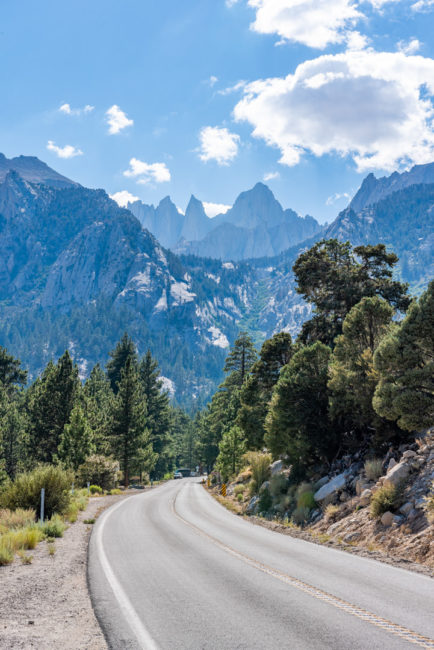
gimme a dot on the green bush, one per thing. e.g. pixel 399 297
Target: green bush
pixel 95 489
pixel 373 469
pixel 99 470
pixel 54 527
pixel 6 555
pixel 265 501
pixel 239 489
pixel 304 496
pixel 300 515
pixel 278 485
pixel 240 497
pixel 387 497
pixel 25 491
pixel 116 491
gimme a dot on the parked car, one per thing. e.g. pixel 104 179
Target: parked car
pixel 178 475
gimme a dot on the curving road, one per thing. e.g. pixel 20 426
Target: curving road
pixel 171 568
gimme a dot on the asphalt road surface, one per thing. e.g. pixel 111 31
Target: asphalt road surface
pixel 172 569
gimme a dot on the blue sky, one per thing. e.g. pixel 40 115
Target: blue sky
pixel 208 97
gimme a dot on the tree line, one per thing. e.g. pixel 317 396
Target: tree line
pixel 119 413
pixel 360 374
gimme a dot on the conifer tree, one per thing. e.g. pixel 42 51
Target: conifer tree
pixel 11 374
pixel 76 439
pixel 12 433
pixel 51 400
pixel 241 357
pixel 99 400
pixel 405 362
pixel 124 350
pixel 231 449
pixel 158 412
pixel 129 435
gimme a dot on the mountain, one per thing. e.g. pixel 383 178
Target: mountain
pixel 256 226
pixel 34 170
pixel 76 271
pixel 374 189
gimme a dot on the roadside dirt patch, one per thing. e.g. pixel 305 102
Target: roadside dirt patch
pixel 46 605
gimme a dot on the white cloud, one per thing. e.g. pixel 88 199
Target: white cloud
pixel 68 151
pixel 375 107
pixel 270 176
pixel 117 119
pixel 146 172
pixel 315 23
pixel 213 209
pixel 423 5
pixel 409 47
pixel 212 80
pixel 67 110
pixel 219 144
pixel 233 89
pixel 334 198
pixel 123 197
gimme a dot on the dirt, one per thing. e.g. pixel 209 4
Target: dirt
pixel 46 604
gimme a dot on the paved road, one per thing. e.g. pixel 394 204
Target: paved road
pixel 172 569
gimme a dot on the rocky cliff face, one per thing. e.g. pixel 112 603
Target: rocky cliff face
pixel 34 170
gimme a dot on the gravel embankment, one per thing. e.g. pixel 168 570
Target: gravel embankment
pixel 46 604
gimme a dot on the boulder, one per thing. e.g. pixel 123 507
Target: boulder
pixel 276 467
pixel 251 508
pixel 387 518
pixel 365 497
pixel 265 485
pixel 398 474
pixel 391 465
pixel 352 537
pixel 405 509
pixel 321 482
pixel 330 488
pixel 408 454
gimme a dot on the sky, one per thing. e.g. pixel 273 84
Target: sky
pixel 149 98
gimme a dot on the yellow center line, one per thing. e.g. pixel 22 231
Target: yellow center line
pixel 354 610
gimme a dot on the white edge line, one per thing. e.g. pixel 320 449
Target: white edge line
pixel 144 638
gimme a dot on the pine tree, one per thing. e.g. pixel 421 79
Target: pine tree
pixel 76 439
pixel 99 401
pixel 405 362
pixel 10 372
pixel 257 389
pixel 50 402
pixel 241 357
pixel 352 377
pixel 231 449
pixel 124 350
pixel 129 435
pixel 158 412
pixel 297 424
pixel 12 434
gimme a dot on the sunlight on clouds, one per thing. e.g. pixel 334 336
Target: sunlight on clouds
pixel 271 176
pixel 68 151
pixel 148 172
pixel 371 106
pixel 117 119
pixel 123 197
pixel 213 209
pixel 423 5
pixel 218 144
pixel 409 47
pixel 337 197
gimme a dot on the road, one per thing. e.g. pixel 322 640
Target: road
pixel 171 568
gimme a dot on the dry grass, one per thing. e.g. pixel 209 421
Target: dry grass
pixel 331 512
pixel 19 518
pixel 373 469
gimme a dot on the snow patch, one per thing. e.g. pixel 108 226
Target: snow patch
pixel 168 386
pixel 218 338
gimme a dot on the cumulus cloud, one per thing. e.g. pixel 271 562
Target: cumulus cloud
pixel 409 47
pixel 334 198
pixel 375 107
pixel 219 144
pixel 117 120
pixel 423 5
pixel 67 110
pixel 68 151
pixel 270 176
pixel 123 197
pixel 148 172
pixel 315 23
pixel 212 80
pixel 213 209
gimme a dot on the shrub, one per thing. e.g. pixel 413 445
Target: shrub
pixel 6 555
pixel 260 468
pixel 373 469
pixel 387 497
pixel 16 518
pixel 304 496
pixel 240 497
pixel 95 489
pixel 55 527
pixel 278 485
pixel 89 521
pixel 116 491
pixel 265 501
pixel 25 491
pixel 51 549
pixel 300 515
pixel 331 512
pixel 99 470
pixel 239 489
pixel 429 500
pixel 25 559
